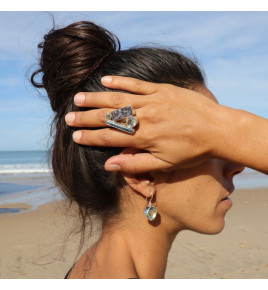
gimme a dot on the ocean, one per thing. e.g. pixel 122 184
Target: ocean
pixel 23 162
pixel 26 177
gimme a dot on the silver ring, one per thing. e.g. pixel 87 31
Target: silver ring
pixel 125 116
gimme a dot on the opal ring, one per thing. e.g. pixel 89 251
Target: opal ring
pixel 122 119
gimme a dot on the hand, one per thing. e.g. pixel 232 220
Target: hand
pixel 175 125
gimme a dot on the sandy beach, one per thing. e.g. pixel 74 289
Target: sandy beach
pixel 34 243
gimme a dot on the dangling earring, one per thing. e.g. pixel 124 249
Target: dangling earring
pixel 150 211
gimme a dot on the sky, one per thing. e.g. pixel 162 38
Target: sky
pixel 231 47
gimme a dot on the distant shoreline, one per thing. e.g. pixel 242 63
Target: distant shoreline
pixel 26 178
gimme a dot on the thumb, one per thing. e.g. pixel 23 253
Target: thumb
pixel 136 163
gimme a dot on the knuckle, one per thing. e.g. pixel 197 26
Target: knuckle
pixel 150 114
pixel 144 138
pixel 166 88
pixel 165 169
pixel 102 115
pixel 159 99
pixel 163 96
pixel 77 119
pixel 130 166
pixel 137 84
pixel 117 100
pixel 165 91
pixel 105 136
pixel 81 118
pixel 151 137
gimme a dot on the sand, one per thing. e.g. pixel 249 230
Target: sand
pixel 33 243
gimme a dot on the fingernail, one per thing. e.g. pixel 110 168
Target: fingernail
pixel 146 182
pixel 77 135
pixel 113 167
pixel 69 118
pixel 106 80
pixel 79 99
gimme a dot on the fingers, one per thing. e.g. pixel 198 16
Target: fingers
pixel 109 100
pixel 91 118
pixel 104 137
pixel 137 163
pixel 129 84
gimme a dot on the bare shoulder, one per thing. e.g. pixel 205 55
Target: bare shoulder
pixel 82 266
pixel 96 263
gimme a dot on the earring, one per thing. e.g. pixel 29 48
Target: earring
pixel 150 211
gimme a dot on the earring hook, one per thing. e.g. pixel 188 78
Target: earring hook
pixel 150 211
pixel 150 201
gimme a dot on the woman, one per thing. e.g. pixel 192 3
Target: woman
pixel 141 214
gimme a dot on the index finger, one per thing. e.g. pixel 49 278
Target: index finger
pixel 110 100
pixel 129 84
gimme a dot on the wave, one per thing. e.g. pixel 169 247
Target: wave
pixel 24 168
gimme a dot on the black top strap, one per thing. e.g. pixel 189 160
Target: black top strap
pixel 67 275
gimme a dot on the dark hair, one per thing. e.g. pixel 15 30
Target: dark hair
pixel 73 59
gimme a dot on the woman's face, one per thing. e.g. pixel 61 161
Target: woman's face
pixel 196 198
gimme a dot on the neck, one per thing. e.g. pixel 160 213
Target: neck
pixel 140 244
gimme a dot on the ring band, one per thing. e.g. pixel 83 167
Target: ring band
pixel 126 114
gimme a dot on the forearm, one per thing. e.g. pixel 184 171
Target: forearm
pixel 242 137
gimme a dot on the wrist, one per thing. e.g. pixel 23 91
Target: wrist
pixel 226 125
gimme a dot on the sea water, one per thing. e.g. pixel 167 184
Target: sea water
pixel 24 162
pixel 26 177
pixel 14 164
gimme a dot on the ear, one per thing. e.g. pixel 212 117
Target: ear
pixel 140 183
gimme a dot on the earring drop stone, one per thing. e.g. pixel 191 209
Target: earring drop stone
pixel 150 212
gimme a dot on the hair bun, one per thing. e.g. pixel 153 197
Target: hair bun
pixel 69 56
